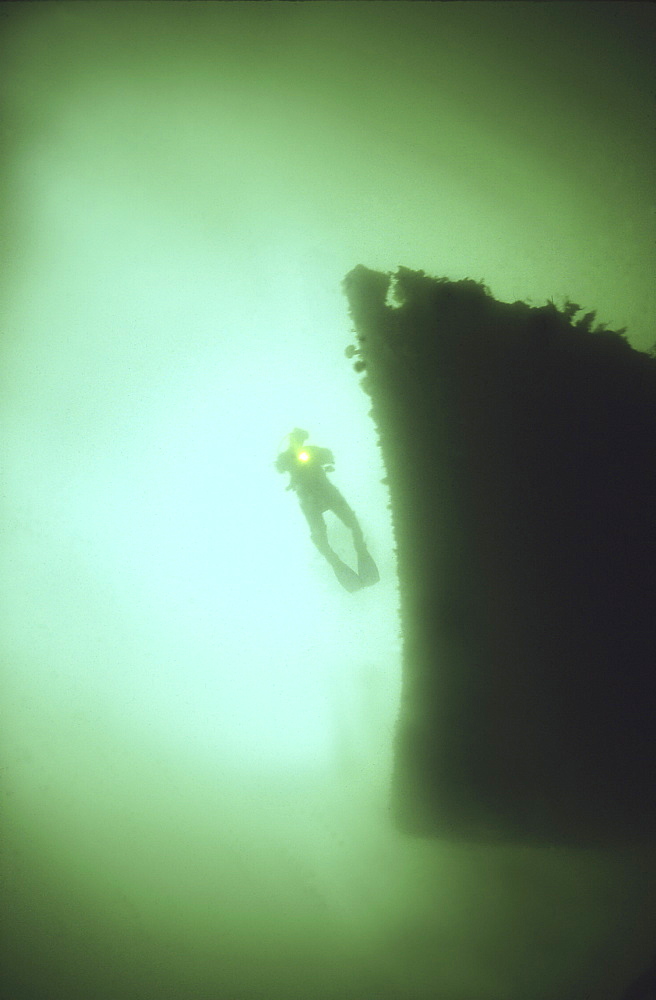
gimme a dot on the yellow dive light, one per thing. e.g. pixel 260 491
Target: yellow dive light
pixel 303 456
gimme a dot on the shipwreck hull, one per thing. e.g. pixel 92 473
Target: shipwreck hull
pixel 519 454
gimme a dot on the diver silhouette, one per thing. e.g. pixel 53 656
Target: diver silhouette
pixel 307 466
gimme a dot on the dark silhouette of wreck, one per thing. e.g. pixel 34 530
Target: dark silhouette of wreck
pixel 520 448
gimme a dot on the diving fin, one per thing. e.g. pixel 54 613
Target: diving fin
pixel 367 569
pixel 348 579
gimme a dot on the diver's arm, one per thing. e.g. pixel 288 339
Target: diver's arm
pixel 283 464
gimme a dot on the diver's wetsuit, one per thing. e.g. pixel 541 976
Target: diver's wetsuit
pixel 317 494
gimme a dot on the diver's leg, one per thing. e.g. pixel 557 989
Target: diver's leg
pixel 367 569
pixel 319 535
pixel 342 510
pixel 318 530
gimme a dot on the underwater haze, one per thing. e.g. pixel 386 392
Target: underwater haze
pixel 197 719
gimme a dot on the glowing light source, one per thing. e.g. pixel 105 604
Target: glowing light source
pixel 303 456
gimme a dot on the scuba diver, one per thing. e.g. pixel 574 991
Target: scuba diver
pixel 316 494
